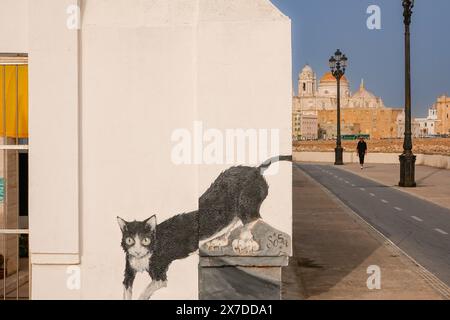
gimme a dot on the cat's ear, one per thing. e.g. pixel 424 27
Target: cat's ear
pixel 122 224
pixel 151 222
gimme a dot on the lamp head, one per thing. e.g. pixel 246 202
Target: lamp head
pixel 344 61
pixel 332 63
pixel 408 5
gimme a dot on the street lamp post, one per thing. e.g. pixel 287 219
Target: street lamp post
pixel 338 64
pixel 407 159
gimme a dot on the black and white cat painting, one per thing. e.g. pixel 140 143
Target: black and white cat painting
pixel 236 195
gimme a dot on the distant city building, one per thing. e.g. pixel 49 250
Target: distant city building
pixel 362 112
pixel 442 107
pixel 378 123
pixel 426 126
pixel 437 122
pixel 401 125
pixel 305 126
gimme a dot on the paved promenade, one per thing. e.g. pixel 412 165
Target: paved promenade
pixel 420 228
pixel 433 184
pixel 334 247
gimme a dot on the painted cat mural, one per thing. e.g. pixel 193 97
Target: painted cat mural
pixel 235 196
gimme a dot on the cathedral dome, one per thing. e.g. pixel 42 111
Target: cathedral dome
pixel 363 93
pixel 328 86
pixel 365 99
pixel 328 77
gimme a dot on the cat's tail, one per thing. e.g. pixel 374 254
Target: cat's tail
pixel 266 164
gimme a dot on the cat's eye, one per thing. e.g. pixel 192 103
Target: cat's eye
pixel 129 241
pixel 146 241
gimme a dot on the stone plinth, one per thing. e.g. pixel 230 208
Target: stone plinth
pixel 246 268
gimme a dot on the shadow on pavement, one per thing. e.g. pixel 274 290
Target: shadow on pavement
pixel 328 244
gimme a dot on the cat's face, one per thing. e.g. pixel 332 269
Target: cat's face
pixel 138 237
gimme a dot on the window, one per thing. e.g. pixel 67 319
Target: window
pixel 304 86
pixel 14 262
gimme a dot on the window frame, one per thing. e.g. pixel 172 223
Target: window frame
pixel 7 59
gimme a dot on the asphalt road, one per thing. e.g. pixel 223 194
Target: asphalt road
pixel 419 228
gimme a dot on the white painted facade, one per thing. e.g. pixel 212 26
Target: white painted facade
pixel 427 126
pixel 104 102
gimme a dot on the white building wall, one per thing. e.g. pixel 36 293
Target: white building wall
pixel 244 58
pixel 104 102
pixel 14 26
pixel 138 86
pixel 54 155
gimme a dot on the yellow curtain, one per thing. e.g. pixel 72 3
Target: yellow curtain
pixel 14 93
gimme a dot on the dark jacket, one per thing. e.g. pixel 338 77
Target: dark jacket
pixel 362 147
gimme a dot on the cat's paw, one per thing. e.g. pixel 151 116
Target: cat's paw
pixel 246 244
pixel 127 293
pixel 151 289
pixel 144 297
pixel 217 243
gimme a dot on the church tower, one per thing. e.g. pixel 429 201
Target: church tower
pixel 307 83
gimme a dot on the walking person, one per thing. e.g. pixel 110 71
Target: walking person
pixel 361 148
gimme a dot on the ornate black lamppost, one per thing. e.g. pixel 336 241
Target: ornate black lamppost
pixel 338 63
pixel 407 159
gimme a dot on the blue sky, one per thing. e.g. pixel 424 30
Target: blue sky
pixel 319 27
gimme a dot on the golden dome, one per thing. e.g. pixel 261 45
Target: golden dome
pixel 328 77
